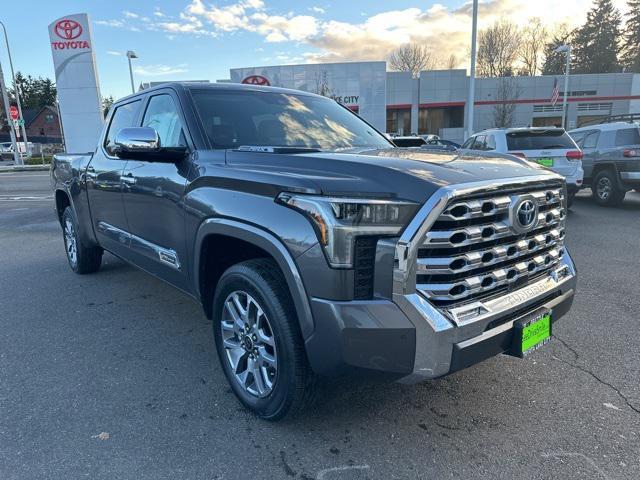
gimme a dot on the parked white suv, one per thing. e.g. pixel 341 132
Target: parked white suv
pixel 548 146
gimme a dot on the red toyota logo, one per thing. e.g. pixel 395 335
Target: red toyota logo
pixel 256 80
pixel 68 29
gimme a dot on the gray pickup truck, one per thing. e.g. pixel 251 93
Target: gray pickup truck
pixel 314 244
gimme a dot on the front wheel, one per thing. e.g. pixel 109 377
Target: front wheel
pixel 606 190
pixel 259 342
pixel 82 259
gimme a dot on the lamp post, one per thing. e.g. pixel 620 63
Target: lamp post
pixel 472 71
pixel 131 54
pixel 12 134
pixel 567 50
pixel 17 89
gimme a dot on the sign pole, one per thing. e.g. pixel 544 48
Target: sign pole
pixel 16 88
pixel 5 100
pixel 472 71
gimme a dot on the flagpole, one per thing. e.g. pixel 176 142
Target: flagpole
pixel 567 50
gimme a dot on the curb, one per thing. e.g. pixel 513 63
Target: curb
pixel 25 168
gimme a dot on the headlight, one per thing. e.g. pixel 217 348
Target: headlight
pixel 338 221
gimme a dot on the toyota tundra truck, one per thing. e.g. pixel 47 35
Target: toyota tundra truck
pixel 315 245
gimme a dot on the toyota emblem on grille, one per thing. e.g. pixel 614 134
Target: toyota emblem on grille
pixel 526 213
pixel 523 213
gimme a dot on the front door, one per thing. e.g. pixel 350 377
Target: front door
pixel 104 184
pixel 152 196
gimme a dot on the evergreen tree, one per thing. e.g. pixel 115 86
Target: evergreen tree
pixel 554 62
pixel 631 42
pixel 595 46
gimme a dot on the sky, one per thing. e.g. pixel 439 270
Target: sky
pixel 203 39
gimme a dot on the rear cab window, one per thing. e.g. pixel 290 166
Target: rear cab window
pixel 539 140
pixel 123 117
pixel 409 142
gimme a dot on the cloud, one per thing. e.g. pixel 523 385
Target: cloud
pixel 158 70
pixel 128 14
pixel 114 53
pixel 445 30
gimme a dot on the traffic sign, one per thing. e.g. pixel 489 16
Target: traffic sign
pixel 14 112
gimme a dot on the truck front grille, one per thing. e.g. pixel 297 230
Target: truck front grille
pixel 475 250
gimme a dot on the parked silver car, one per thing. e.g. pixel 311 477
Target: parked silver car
pixel 548 146
pixel 611 159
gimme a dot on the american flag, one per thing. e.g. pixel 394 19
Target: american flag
pixel 555 93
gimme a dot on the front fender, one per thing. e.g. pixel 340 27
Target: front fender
pixel 270 244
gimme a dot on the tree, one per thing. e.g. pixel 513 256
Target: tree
pixel 631 43
pixel 533 40
pixel 34 92
pixel 554 62
pixel 413 58
pixel 498 49
pixel 106 105
pixel 595 46
pixel 506 96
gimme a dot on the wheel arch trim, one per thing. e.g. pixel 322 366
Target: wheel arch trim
pixel 274 247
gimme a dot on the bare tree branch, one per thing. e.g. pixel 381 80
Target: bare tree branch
pixel 413 58
pixel 508 92
pixel 533 41
pixel 498 49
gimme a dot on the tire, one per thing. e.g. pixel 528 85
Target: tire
pixel 278 388
pixel 606 190
pixel 82 259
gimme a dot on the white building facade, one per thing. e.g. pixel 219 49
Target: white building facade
pixel 394 102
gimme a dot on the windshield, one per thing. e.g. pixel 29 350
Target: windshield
pixel 234 118
pixel 539 140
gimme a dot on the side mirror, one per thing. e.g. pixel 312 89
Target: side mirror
pixel 143 143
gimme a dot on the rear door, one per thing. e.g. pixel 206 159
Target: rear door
pixel 547 147
pixel 589 146
pixel 104 183
pixel 152 196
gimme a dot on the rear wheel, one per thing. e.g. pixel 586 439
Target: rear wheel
pixel 259 342
pixel 82 259
pixel 606 190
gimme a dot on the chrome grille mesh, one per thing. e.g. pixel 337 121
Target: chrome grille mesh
pixel 472 251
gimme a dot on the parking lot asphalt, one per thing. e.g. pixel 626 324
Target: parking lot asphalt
pixel 114 375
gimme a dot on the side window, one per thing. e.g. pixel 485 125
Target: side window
pixel 162 115
pixel 480 143
pixel 491 143
pixel 468 142
pixel 122 117
pixel 628 136
pixel 577 137
pixel 591 140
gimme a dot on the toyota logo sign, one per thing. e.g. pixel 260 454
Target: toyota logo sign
pixel 256 80
pixel 68 29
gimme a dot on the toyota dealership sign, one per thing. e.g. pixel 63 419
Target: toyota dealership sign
pixel 76 81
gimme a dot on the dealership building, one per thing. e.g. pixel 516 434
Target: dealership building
pixel 436 102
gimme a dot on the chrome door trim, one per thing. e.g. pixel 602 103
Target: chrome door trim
pixel 165 256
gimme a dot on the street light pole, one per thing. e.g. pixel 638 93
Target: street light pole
pixel 16 87
pixel 567 50
pixel 472 71
pixel 131 54
pixel 5 100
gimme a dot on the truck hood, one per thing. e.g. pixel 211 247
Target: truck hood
pixel 408 174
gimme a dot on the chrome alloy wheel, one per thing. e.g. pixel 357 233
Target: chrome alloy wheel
pixel 70 242
pixel 604 188
pixel 249 344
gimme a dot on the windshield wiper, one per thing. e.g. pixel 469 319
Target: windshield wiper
pixel 276 149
